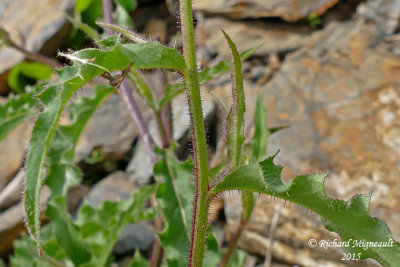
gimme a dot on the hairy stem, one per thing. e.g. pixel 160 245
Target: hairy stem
pixel 201 202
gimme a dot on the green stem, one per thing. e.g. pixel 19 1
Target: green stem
pixel 200 209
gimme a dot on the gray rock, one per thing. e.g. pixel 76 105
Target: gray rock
pixel 274 37
pixel 30 23
pixel 114 187
pixel 290 10
pixel 140 167
pixel 385 13
pixel 111 129
pixel 135 236
pixel 339 93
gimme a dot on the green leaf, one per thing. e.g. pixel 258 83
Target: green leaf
pixel 128 5
pixel 210 73
pixel 101 226
pixel 234 122
pixel 175 196
pixel 21 74
pixel 67 234
pixel 89 31
pixel 143 89
pixel 350 219
pixel 138 260
pixel 88 64
pixel 145 56
pixel 123 17
pixel 261 133
pixel 62 171
pixel 15 111
pixel 171 92
pixel 213 254
pixel 82 5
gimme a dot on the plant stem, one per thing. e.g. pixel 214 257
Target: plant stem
pixel 201 202
pixel 107 14
pixel 157 252
pixel 161 129
pixel 37 57
pixel 126 94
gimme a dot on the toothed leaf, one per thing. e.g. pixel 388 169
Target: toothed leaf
pixel 350 219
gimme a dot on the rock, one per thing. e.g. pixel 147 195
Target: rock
pixel 339 94
pixel 296 226
pixel 273 37
pixel 135 236
pixel 385 13
pixel 111 130
pixel 289 10
pixel 180 113
pixel 156 29
pixel 12 150
pixel 12 192
pixel 114 187
pixel 12 223
pixel 30 24
pixel 140 167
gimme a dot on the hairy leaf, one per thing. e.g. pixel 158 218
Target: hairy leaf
pixel 62 171
pixel 128 33
pixel 350 219
pixel 234 122
pixel 175 196
pixel 88 64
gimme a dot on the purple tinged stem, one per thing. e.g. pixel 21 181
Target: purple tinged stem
pixel 126 93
